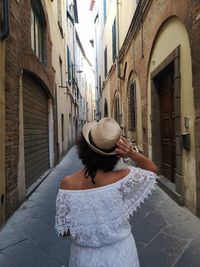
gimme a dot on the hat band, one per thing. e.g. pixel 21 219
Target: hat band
pixel 103 150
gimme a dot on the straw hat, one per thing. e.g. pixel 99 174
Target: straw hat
pixel 102 136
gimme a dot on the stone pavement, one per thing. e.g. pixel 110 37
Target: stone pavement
pixel 166 234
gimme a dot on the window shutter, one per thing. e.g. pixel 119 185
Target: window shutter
pixel 114 40
pixel 68 64
pixel 105 62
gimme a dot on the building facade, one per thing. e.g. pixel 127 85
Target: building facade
pixel 28 88
pixel 38 101
pixel 151 84
pixel 58 21
pixel 3 34
pixel 84 85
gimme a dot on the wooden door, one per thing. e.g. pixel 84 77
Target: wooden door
pixel 167 124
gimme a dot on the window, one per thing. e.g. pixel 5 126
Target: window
pixel 1 15
pixel 68 64
pixel 59 12
pixel 105 108
pixel 61 71
pixel 104 10
pixel 72 70
pixel 114 48
pixel 105 62
pixel 62 126
pixel 37 25
pixel 116 110
pixel 99 92
pixel 132 107
pixel 59 16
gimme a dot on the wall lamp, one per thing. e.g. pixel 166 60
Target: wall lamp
pixel 4 23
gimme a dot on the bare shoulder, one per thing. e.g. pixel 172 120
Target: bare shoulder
pixel 67 183
pixel 71 182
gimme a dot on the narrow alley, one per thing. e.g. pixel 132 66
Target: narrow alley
pixel 64 63
pixel 166 234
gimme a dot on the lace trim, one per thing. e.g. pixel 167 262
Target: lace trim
pixel 105 208
pixel 132 203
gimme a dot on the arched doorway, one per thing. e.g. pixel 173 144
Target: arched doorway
pixel 171 102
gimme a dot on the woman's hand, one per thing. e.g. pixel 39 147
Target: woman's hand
pixel 123 148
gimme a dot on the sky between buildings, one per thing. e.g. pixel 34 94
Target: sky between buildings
pixel 85 28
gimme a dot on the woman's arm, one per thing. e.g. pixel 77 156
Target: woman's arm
pixel 124 150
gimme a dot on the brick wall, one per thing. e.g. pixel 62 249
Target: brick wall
pixel 12 108
pixel 193 22
pixel 20 56
pixel 137 51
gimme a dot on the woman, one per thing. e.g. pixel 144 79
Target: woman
pixel 93 205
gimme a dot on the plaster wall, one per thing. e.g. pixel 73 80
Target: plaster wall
pixel 126 12
pixel 59 52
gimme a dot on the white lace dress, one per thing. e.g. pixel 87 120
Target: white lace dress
pixel 98 220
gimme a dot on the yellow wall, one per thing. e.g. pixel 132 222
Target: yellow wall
pixel 58 50
pixel 172 34
pixel 126 13
pixel 107 34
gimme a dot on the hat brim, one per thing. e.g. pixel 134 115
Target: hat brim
pixel 86 130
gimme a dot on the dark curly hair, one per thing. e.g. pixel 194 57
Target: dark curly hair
pixel 93 161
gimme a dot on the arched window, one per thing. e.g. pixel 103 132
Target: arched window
pixel 116 109
pixel 105 108
pixel 37 29
pixel 132 107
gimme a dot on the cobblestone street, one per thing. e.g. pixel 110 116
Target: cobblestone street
pixel 166 234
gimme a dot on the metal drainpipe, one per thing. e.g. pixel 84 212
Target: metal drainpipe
pixel 74 89
pixel 117 63
pixel 97 92
pixel 5 21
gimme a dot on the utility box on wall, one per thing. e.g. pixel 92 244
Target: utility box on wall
pixel 186 141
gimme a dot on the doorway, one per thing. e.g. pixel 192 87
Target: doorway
pixel 165 86
pixel 166 124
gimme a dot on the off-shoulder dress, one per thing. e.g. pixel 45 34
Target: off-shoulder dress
pixel 98 220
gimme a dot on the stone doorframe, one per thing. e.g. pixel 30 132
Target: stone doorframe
pixel 175 191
